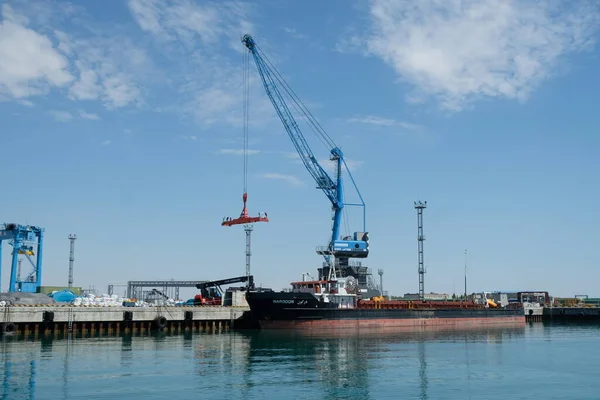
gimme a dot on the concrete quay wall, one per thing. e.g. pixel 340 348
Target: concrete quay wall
pixel 65 319
pixel 572 313
pixel 24 314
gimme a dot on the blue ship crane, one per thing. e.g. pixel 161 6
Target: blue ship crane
pixel 25 240
pixel 357 245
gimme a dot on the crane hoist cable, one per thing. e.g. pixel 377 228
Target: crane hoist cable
pixel 244 217
pixel 245 101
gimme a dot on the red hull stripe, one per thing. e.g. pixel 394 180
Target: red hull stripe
pixel 401 324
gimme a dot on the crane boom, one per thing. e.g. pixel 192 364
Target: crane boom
pixel 276 88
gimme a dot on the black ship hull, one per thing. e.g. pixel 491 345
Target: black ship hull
pixel 290 310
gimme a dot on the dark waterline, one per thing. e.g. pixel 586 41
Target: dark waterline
pixel 547 361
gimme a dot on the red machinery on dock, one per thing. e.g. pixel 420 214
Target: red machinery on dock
pixel 211 293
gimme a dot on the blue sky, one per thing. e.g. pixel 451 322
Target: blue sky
pixel 121 122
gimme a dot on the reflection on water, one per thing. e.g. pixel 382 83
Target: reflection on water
pixel 18 378
pixel 262 365
pixel 423 370
pixel 334 367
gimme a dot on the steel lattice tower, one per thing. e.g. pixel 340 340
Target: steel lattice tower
pixel 71 259
pixel 248 229
pixel 420 206
pixel 465 274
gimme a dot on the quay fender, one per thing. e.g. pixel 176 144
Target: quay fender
pixel 160 322
pixel 8 328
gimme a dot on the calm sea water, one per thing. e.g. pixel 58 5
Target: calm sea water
pixel 538 361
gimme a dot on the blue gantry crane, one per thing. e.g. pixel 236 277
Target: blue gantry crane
pixel 26 240
pixel 340 247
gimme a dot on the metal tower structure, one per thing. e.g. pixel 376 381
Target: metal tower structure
pixel 465 274
pixel 72 239
pixel 248 229
pixel 23 239
pixel 420 206
pixel 380 272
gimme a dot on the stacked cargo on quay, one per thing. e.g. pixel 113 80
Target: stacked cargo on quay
pixel 337 304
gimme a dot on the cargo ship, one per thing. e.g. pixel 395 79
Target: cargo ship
pixel 339 304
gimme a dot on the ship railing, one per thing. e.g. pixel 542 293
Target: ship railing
pixel 350 263
pixel 416 304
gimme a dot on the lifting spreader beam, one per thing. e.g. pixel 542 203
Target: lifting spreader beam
pixel 244 217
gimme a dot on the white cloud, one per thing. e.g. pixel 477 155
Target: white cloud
pixel 292 155
pixel 29 63
pixel 458 50
pixel 106 143
pixel 86 87
pixel 109 70
pixel 193 68
pixel 190 137
pixel 379 121
pixel 216 95
pixel 294 33
pixel 238 152
pixel 208 38
pixel 184 20
pixel 60 49
pixel 353 164
pixel 91 63
pixel 86 115
pixel 287 178
pixel 61 116
pixel 65 116
pixel 330 166
pixel 327 164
